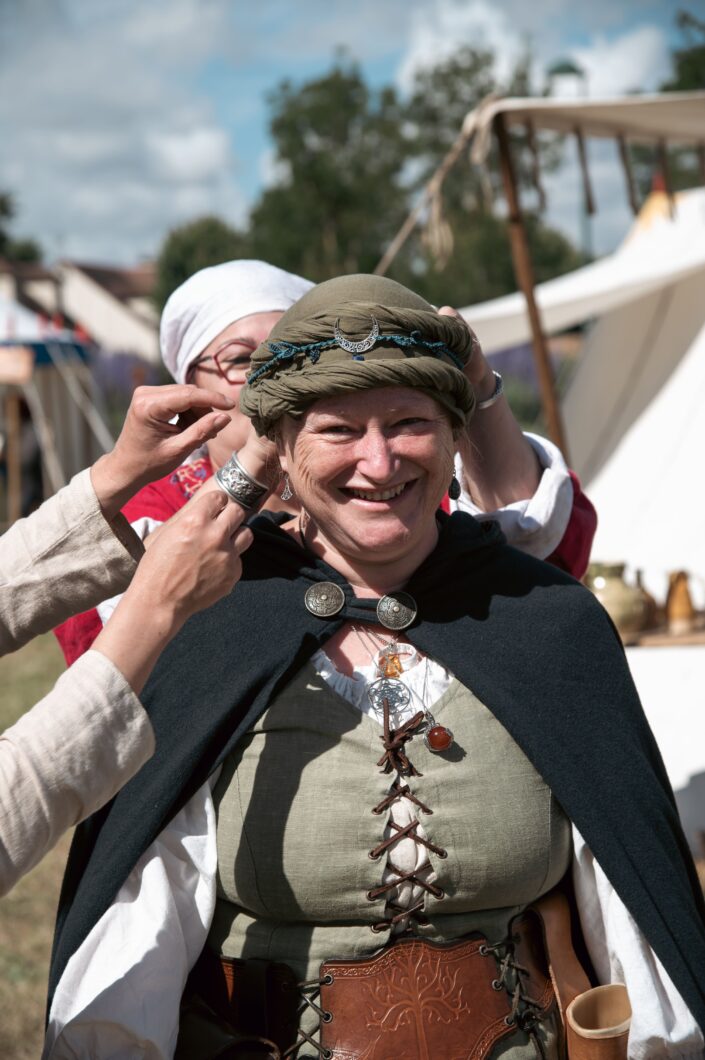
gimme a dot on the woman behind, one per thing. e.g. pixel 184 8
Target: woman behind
pixel 381 739
pixel 210 327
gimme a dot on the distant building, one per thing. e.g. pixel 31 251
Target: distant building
pixel 33 286
pixel 110 306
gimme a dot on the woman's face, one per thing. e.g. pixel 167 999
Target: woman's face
pixel 371 468
pixel 223 366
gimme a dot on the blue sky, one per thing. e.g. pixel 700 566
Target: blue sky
pixel 122 118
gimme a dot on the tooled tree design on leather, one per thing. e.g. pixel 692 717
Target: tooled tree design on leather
pixel 420 991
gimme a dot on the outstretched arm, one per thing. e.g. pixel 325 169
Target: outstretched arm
pixel 77 549
pixel 75 749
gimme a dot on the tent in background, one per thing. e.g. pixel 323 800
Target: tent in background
pixel 635 407
pixel 47 369
pixel 633 413
pixel 635 422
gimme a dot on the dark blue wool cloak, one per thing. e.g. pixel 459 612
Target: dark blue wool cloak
pixel 531 643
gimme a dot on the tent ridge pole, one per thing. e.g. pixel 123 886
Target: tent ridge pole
pixel 523 272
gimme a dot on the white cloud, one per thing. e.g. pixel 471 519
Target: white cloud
pixel 440 29
pixel 638 59
pixel 113 141
pixel 190 154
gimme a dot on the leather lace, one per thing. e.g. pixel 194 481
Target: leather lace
pixel 310 991
pixel 525 1012
pixel 395 759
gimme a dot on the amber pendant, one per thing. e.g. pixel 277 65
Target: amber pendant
pixel 393 660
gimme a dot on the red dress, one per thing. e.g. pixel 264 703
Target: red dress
pixel 158 501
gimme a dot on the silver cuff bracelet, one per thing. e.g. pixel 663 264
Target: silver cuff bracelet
pixel 239 484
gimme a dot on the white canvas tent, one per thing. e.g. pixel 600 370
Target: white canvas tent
pixel 659 120
pixel 47 368
pixel 634 412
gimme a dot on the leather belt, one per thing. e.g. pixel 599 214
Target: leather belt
pixel 414 998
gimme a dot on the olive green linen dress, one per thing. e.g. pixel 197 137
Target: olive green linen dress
pixel 296 826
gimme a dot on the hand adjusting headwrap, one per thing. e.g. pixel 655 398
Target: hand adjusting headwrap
pixel 401 341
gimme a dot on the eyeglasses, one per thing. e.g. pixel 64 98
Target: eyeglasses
pixel 228 365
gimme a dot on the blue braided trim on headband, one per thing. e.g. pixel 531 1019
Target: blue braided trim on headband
pixel 287 351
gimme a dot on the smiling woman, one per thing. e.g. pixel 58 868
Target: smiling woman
pixel 370 470
pixel 271 884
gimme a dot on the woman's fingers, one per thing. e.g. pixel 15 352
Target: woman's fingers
pixel 178 446
pixel 162 403
pixel 243 539
pixel 150 445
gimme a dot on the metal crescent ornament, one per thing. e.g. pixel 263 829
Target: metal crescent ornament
pixel 356 347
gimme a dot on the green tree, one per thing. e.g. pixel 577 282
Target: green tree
pixel 22 250
pixel 480 266
pixel 340 153
pixel 688 75
pixel 441 98
pixel 477 263
pixel 688 60
pixel 193 246
pixel 350 161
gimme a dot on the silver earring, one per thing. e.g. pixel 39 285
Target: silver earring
pixel 287 493
pixel 454 489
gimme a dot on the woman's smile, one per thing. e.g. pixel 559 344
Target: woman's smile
pixel 381 495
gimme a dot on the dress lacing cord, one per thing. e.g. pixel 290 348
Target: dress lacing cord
pixel 310 991
pixel 404 877
pixel 525 1012
pixel 400 790
pixel 396 759
pixel 401 833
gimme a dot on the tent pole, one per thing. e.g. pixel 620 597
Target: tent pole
pixel 14 457
pixel 523 272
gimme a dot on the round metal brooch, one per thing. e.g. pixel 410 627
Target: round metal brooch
pixel 396 611
pixel 324 599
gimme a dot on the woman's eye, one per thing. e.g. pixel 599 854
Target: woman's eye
pixel 337 428
pixel 233 362
pixel 410 421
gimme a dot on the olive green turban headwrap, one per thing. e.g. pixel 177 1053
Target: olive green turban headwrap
pixel 355 333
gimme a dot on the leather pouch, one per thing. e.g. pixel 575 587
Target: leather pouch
pixel 597 1024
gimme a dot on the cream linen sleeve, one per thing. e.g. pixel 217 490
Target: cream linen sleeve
pixel 662 1025
pixel 535 525
pixel 64 558
pixel 66 758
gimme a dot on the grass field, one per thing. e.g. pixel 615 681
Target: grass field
pixel 27 913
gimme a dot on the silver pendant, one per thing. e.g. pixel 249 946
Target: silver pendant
pixel 324 599
pixel 396 611
pixel 356 347
pixel 396 694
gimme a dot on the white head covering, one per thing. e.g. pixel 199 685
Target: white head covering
pixel 213 299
